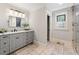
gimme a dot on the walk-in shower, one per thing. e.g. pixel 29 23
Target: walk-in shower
pixel 76 28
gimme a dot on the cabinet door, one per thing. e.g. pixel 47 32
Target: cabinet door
pixel 12 42
pixel 20 40
pixel 24 38
pixel 30 36
pixel 4 51
pixel 17 41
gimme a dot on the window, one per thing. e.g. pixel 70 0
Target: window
pixel 61 21
pixel 61 18
pixel 18 22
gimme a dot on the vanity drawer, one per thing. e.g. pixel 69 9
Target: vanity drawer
pixel 5 43
pixel 4 37
pixel 4 51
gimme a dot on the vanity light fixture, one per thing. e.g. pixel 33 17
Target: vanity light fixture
pixel 16 13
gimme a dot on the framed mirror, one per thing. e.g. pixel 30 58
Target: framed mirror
pixel 16 21
pixel 16 18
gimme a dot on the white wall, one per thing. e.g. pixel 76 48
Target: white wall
pixel 63 34
pixel 4 14
pixel 38 22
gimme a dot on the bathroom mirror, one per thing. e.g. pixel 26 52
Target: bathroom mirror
pixel 16 21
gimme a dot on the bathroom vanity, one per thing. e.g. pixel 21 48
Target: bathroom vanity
pixel 11 41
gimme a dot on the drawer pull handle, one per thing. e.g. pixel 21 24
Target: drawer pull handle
pixel 4 36
pixel 4 42
pixel 4 51
pixel 17 37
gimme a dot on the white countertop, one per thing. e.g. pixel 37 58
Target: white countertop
pixel 15 32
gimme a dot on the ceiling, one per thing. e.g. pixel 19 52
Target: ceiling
pixel 28 6
pixel 57 6
pixel 35 6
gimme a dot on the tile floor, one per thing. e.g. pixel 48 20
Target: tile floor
pixel 50 49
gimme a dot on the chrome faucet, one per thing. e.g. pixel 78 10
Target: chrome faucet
pixel 15 30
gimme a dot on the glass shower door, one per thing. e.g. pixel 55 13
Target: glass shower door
pixel 76 28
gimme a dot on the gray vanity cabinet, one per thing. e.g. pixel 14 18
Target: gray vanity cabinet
pixel 30 37
pixel 16 41
pixel 12 42
pixel 19 40
pixel 4 44
pixel 23 39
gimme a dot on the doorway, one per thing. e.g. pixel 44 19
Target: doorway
pixel 48 28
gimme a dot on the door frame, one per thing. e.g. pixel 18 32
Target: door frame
pixel 48 28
